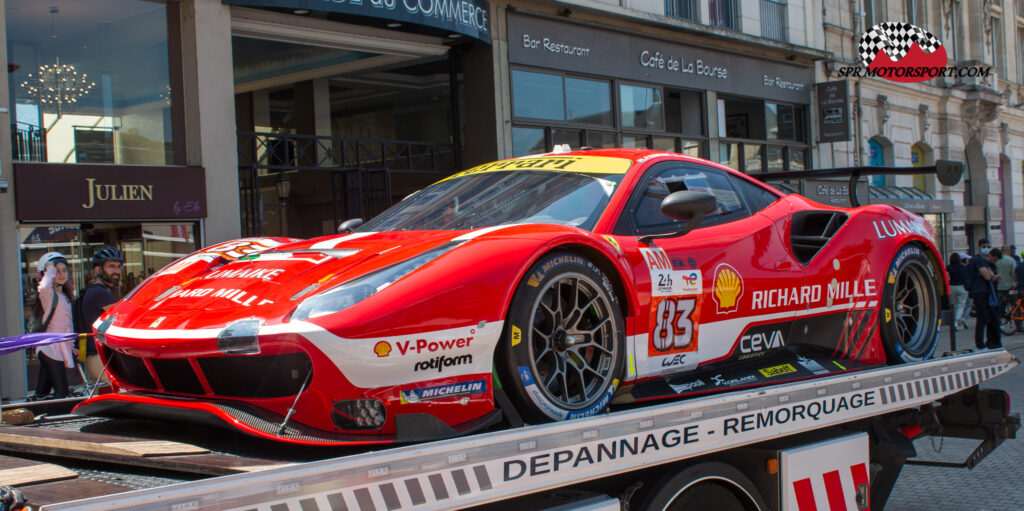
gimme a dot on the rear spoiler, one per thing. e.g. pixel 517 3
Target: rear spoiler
pixel 948 172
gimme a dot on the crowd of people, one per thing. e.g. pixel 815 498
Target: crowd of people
pixel 56 307
pixel 988 281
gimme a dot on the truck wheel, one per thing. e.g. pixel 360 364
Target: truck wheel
pixel 564 340
pixel 705 486
pixel 910 307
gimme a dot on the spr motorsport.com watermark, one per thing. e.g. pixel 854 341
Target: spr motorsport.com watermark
pixel 901 52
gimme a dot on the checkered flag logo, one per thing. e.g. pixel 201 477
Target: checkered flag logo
pixel 895 39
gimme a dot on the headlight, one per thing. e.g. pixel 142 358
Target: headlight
pixel 354 291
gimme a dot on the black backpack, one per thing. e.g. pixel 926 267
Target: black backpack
pixel 78 314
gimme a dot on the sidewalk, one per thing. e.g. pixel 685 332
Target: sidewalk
pixel 994 485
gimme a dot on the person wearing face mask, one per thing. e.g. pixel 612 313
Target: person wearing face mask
pixel 982 277
pixel 97 297
pixel 55 285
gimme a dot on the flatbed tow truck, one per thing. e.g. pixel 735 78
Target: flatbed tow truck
pixel 834 443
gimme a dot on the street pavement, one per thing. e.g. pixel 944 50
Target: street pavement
pixel 996 484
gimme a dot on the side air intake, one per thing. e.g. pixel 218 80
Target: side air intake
pixel 811 230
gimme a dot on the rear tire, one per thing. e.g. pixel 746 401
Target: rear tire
pixel 711 485
pixel 909 317
pixel 564 340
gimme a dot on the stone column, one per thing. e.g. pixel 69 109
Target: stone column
pixel 210 111
pixel 12 366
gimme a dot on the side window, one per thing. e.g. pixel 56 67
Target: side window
pixel 643 214
pixel 756 197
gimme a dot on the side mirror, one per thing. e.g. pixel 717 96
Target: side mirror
pixel 684 205
pixel 349 225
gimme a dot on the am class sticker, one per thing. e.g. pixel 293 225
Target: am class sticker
pixel 665 279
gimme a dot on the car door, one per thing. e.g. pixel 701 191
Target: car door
pixel 726 289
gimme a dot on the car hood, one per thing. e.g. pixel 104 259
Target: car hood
pixel 266 283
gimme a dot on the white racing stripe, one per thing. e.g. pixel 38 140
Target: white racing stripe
pixel 480 232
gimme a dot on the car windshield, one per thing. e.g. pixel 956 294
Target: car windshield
pixel 497 198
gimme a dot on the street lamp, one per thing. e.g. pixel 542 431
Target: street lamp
pixel 284 189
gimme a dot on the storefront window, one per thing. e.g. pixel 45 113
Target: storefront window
pixel 538 95
pixel 635 142
pixel 146 247
pixel 749 122
pixel 776 161
pixel 588 101
pixel 528 141
pixel 641 107
pixel 111 100
pixel 729 155
pixel 600 139
pixel 752 158
pixel 551 109
pixel 564 136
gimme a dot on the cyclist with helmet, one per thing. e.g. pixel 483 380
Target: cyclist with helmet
pixel 55 297
pixel 97 297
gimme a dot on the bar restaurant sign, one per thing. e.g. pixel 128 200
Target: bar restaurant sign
pixel 61 192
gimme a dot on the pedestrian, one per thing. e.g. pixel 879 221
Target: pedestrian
pixel 1005 268
pixel 982 277
pixel 1019 271
pixel 55 287
pixel 957 272
pixel 1013 254
pixel 97 297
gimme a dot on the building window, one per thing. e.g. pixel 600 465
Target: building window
pixel 917 13
pixel 761 136
pixel 642 107
pixel 1020 51
pixel 550 108
pixel 954 34
pixel 722 13
pixel 996 44
pixel 116 108
pixel 874 13
pixel 773 20
pixel 682 9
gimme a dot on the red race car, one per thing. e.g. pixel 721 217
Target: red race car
pixel 567 282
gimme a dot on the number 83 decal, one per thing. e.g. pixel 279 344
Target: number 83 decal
pixel 674 324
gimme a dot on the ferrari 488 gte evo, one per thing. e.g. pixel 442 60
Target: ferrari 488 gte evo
pixel 568 282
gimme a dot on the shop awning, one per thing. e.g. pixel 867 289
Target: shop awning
pixel 910 199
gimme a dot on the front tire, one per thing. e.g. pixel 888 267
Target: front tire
pixel 564 340
pixel 910 307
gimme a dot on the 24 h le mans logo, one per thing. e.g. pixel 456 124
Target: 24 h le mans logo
pixel 901 52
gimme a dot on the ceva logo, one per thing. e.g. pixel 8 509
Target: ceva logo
pixel 901 52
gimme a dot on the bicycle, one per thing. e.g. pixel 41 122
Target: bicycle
pixel 1012 313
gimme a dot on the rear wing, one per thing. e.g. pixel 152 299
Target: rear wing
pixel 949 173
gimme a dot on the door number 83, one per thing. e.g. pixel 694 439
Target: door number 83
pixel 673 323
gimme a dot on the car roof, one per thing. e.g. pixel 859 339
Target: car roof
pixel 641 155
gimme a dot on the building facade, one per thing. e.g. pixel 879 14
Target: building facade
pixel 978 120
pixel 161 127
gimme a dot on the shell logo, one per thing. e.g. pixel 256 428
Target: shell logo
pixel 382 349
pixel 728 288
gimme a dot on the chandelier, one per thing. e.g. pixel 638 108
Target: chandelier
pixel 57 87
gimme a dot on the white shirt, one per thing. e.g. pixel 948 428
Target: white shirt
pixel 59 323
